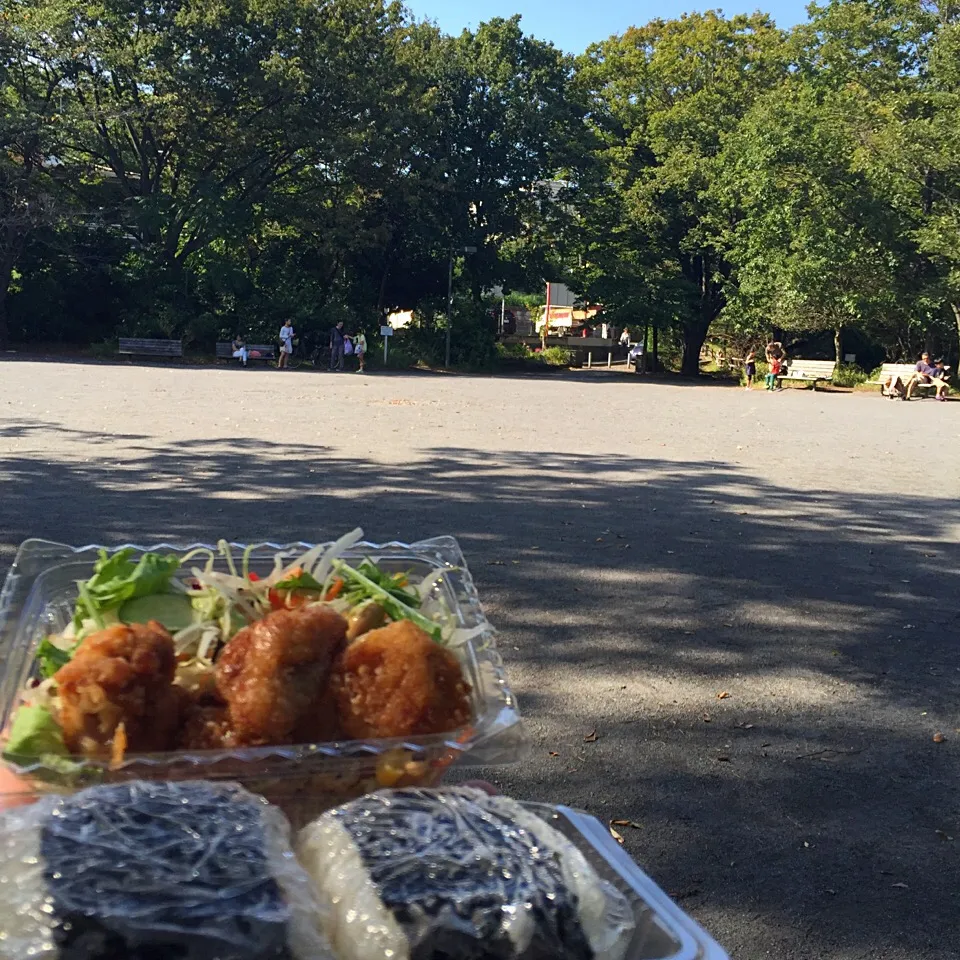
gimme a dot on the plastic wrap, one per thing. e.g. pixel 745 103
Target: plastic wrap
pixel 38 598
pixel 456 873
pixel 144 870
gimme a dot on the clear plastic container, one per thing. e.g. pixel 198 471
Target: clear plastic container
pixel 38 598
pixel 663 931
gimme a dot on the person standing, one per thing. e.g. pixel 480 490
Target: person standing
pixel 336 347
pixel 286 344
pixel 360 349
pixel 750 367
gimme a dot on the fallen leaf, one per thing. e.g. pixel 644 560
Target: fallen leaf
pixel 901 886
pixel 722 695
pixel 495 563
pixel 938 737
pixel 616 835
pixel 744 726
pixel 516 563
pixel 553 753
pixel 591 737
pixel 669 551
pixel 599 539
pixel 805 843
pixel 943 835
pixel 707 718
pixel 620 823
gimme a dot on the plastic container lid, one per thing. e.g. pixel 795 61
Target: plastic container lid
pixel 38 599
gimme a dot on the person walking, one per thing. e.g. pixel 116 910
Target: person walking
pixel 336 347
pixel 360 349
pixel 286 344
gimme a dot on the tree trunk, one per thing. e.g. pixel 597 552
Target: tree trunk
pixel 838 344
pixel 6 275
pixel 956 315
pixel 695 332
pixel 655 352
pixel 694 335
pixel 4 332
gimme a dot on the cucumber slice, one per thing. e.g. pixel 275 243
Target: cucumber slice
pixel 173 610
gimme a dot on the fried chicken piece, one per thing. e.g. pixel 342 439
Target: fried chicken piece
pixel 120 675
pixel 206 726
pixel 273 676
pixel 397 682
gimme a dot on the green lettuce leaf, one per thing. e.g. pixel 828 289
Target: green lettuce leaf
pixel 34 733
pixel 299 581
pixel 119 578
pixel 51 657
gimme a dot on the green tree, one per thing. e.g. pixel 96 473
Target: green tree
pixel 896 63
pixel 665 99
pixel 30 127
pixel 814 246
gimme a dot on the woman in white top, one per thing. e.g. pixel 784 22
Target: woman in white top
pixel 240 351
pixel 286 343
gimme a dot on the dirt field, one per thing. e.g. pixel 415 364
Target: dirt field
pixel 751 600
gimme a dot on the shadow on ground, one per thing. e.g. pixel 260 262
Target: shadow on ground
pixel 811 803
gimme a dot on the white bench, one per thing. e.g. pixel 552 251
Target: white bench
pixel 151 348
pixel 809 371
pixel 255 351
pixel 904 371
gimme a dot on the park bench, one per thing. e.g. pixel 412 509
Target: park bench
pixel 151 348
pixel 256 351
pixel 809 371
pixel 904 371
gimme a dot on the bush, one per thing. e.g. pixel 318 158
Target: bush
pixel 848 375
pixel 557 356
pixel 399 358
pixel 515 351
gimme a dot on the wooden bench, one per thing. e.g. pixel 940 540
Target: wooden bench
pixel 255 351
pixel 809 371
pixel 151 348
pixel 904 371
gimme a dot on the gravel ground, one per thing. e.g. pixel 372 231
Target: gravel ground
pixel 751 600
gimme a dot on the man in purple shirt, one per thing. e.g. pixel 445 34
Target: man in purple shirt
pixel 926 372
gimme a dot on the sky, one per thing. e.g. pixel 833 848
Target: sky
pixel 574 24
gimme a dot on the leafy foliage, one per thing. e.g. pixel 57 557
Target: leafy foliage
pixel 204 168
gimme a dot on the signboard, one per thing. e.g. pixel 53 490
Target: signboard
pixel 386 331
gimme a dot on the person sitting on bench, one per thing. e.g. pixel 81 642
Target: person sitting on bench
pixel 240 349
pixel 893 387
pixel 926 372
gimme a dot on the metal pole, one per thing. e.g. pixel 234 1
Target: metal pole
pixel 449 306
pixel 386 340
pixel 503 314
pixel 546 320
